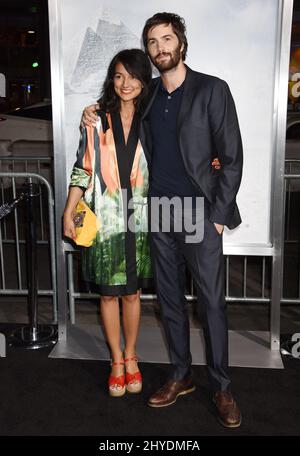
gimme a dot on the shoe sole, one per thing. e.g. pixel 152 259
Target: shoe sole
pixel 183 393
pixel 232 426
pixel 117 393
pixel 133 391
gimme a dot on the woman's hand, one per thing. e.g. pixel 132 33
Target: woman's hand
pixel 89 116
pixel 74 195
pixel 69 227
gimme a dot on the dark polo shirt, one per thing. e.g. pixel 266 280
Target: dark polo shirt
pixel 168 175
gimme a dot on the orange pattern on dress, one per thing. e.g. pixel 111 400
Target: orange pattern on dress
pixel 109 164
pixel 88 158
pixel 136 177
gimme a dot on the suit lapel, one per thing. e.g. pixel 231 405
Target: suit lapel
pixel 187 97
pixel 145 134
pixel 153 91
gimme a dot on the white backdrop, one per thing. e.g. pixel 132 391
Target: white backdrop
pixel 234 40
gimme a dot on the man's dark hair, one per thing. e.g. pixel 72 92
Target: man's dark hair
pixel 178 26
pixel 137 64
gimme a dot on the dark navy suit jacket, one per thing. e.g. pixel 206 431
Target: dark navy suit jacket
pixel 207 128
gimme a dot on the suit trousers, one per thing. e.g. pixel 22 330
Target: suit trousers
pixel 171 254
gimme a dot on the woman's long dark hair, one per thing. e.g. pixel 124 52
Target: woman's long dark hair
pixel 137 64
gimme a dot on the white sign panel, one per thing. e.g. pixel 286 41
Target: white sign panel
pixel 234 40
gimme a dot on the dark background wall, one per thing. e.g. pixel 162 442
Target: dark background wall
pixel 24 41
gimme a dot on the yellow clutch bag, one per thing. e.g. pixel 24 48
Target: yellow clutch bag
pixel 86 224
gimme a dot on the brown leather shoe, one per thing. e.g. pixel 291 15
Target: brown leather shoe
pixel 170 391
pixel 228 412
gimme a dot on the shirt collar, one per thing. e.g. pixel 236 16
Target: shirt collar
pixel 165 92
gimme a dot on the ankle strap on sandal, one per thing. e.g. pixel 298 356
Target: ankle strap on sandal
pixel 133 358
pixel 116 363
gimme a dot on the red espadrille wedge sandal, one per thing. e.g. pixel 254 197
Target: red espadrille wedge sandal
pixel 116 384
pixel 133 381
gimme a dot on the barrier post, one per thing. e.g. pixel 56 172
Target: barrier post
pixel 33 335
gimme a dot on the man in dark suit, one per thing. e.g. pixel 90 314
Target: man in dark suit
pixel 190 118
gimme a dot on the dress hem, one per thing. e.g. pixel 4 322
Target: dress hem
pixel 120 290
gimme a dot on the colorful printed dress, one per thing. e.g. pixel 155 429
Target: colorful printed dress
pixel 115 178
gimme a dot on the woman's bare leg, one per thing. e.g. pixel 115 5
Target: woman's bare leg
pixel 110 313
pixel 131 310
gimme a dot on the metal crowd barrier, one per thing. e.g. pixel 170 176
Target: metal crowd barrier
pixel 12 233
pixel 246 284
pixel 247 278
pixel 292 228
pixel 43 166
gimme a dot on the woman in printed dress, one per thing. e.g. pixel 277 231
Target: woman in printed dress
pixel 111 175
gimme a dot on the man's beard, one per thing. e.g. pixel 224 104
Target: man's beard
pixel 169 64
